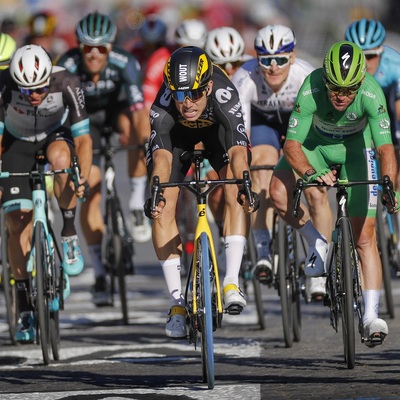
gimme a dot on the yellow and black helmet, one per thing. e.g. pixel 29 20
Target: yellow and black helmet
pixel 188 68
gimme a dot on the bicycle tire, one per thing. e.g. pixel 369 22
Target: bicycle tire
pixel 55 334
pixel 296 288
pixel 284 285
pixel 42 303
pixel 205 311
pixel 252 254
pixel 347 292
pixel 8 284
pixel 382 239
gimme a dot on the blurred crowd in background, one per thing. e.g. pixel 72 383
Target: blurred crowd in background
pixel 316 23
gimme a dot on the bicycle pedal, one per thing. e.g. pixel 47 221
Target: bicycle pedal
pixel 375 340
pixel 234 309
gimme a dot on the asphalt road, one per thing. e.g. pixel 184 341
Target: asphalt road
pixel 103 359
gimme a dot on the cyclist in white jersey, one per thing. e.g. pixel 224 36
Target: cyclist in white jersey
pixel 268 87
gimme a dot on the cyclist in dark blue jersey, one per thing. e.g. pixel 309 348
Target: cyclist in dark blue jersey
pixel 111 80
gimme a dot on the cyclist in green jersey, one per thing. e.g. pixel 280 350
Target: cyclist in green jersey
pixel 340 117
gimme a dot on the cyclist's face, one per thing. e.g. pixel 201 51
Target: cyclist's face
pixel 373 58
pixel 192 110
pixel 95 58
pixel 276 73
pixel 340 100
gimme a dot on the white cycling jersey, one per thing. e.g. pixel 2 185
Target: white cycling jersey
pixel 257 97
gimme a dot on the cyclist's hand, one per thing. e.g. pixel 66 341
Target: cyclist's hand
pixel 123 139
pixel 325 175
pixel 386 202
pixel 244 201
pixel 159 208
pixel 81 189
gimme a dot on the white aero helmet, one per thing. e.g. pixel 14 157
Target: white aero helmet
pixel 31 67
pixel 224 45
pixel 274 39
pixel 191 32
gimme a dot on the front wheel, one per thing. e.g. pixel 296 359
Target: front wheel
pixel 205 311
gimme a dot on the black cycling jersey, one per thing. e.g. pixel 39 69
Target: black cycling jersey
pixel 219 128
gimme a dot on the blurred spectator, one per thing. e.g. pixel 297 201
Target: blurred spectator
pixel 42 31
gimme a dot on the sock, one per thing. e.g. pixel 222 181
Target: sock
pixel 172 273
pixel 23 295
pixel 234 247
pixel 99 268
pixel 310 233
pixel 371 305
pixel 68 217
pixel 262 238
pixel 138 190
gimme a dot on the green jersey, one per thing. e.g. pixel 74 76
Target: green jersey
pixel 348 137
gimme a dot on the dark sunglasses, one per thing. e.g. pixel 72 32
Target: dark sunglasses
pixel 192 95
pixel 86 49
pixel 371 54
pixel 28 92
pixel 267 61
pixel 343 91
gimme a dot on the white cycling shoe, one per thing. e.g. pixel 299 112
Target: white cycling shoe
pixel 316 256
pixel 375 332
pixel 175 327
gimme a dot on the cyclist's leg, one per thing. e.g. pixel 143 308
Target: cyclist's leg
pixel 266 147
pixel 59 154
pixel 134 127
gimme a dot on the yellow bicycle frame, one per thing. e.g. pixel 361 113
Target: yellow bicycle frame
pixel 204 226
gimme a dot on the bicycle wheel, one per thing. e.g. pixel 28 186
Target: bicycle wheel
pixel 383 240
pixel 284 284
pixel 55 334
pixel 41 278
pixel 346 294
pixel 252 255
pixel 296 284
pixel 8 284
pixel 205 311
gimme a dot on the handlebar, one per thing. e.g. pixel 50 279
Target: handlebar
pixel 385 183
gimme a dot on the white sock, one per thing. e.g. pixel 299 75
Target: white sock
pixel 310 233
pixel 172 274
pixel 371 305
pixel 97 263
pixel 138 191
pixel 234 247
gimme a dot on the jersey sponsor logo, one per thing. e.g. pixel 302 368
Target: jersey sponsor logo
pixel 152 136
pixel 14 190
pixel 368 94
pixel 165 99
pixel 119 57
pixel 293 122
pixel 381 110
pixel 310 91
pixel 242 130
pixel 81 97
pixel 236 110
pixel 351 116
pixel 384 123
pixel 224 95
pixel 241 143
pixel 200 123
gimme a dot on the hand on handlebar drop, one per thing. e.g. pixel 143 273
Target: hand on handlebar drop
pixel 81 189
pixel 387 203
pixel 156 213
pixel 244 201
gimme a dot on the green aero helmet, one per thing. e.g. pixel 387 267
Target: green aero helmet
pixel 344 64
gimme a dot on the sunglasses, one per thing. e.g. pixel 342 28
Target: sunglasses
pixel 192 95
pixel 86 49
pixel 371 54
pixel 29 92
pixel 343 91
pixel 267 61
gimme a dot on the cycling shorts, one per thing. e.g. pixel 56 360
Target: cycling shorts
pixel 20 156
pixel 265 135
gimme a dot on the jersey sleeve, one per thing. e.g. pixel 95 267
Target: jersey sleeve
pixel 75 101
pixel 301 118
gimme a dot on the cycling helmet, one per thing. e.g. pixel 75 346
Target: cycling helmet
pixel 42 24
pixel 188 68
pixel 224 45
pixel 96 30
pixel 153 30
pixel 344 64
pixel 366 33
pixel 31 67
pixel 274 39
pixel 7 49
pixel 191 32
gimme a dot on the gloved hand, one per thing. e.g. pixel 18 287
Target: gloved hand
pixel 148 206
pixel 255 199
pixel 313 177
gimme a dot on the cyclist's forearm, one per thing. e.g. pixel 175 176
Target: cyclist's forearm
pixel 162 164
pixel 84 151
pixel 238 161
pixel 387 161
pixel 296 157
pixel 141 125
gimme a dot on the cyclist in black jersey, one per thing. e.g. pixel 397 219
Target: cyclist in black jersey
pixel 36 99
pixel 197 103
pixel 111 80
